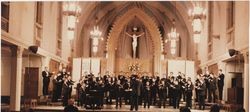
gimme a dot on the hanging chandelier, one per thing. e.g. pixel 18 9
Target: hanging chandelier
pixel 95 35
pixel 197 14
pixel 72 10
pixel 173 37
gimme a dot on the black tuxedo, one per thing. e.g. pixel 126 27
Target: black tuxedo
pixel 176 95
pixel 135 93
pixel 118 91
pixel 147 95
pixel 162 95
pixel 213 88
pixel 46 81
pixel 57 91
pixel 189 94
pixel 201 91
pixel 221 85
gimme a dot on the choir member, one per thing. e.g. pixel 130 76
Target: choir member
pixel 201 93
pixel 135 93
pixel 147 94
pixel 220 83
pixel 127 91
pixel 171 89
pixel 100 94
pixel 183 83
pixel 46 80
pixel 176 94
pixel 118 90
pixel 213 87
pixel 207 90
pixel 80 92
pixel 154 91
pixel 189 93
pixel 162 93
pixel 58 83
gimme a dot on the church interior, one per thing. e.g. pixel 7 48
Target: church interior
pixel 94 55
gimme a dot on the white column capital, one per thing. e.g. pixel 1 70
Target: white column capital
pixel 20 52
pixel 246 57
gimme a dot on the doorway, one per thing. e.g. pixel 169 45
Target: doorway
pixel 31 82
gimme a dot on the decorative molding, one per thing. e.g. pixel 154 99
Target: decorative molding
pixel 216 36
pixel 19 42
pixel 223 57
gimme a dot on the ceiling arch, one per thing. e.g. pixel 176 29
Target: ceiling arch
pixel 161 11
pixel 117 28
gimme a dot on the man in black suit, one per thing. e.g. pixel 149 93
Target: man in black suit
pixel 154 91
pixel 58 84
pixel 176 94
pixel 162 93
pixel 147 94
pixel 189 93
pixel 46 79
pixel 118 93
pixel 213 87
pixel 220 83
pixel 136 86
pixel 207 90
pixel 201 94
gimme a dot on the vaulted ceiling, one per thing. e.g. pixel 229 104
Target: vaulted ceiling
pixel 106 13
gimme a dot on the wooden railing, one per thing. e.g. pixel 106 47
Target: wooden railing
pixel 5 24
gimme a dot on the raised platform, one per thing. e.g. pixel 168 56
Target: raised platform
pixel 111 108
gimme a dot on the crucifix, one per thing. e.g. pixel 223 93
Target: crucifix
pixel 134 43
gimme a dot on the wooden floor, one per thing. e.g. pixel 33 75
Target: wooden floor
pixel 108 108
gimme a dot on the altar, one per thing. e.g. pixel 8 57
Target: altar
pixel 143 65
pixel 98 66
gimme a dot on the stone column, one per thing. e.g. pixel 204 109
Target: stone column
pixel 111 61
pixel 246 82
pixel 157 64
pixel 16 73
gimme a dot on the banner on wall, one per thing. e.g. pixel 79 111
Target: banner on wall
pixel 85 65
pixel 183 66
pixel 190 72
pixel 80 66
pixel 176 66
pixel 95 66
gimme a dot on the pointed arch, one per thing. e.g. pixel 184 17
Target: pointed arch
pixel 117 28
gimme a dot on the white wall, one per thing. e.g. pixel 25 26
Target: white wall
pixel 21 33
pixel 22 25
pixel 241 25
pixel 220 47
pixel 5 72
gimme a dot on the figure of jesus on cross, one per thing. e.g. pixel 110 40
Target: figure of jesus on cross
pixel 134 43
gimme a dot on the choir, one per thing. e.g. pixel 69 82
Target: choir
pixel 93 92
